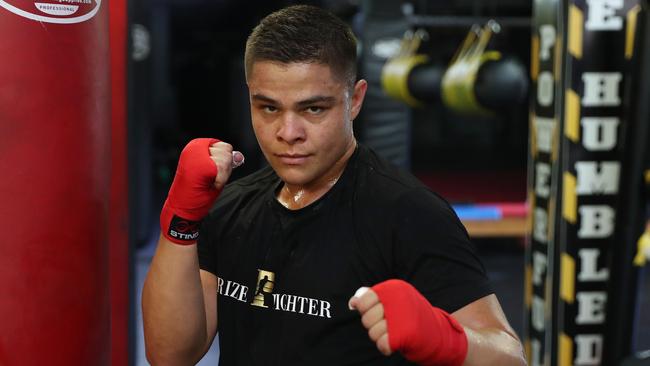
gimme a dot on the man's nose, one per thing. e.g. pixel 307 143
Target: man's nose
pixel 291 129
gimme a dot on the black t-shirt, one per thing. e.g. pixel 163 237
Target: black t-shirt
pixel 285 277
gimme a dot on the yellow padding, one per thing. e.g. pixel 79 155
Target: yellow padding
pixel 567 278
pixel 534 57
pixel 459 79
pixel 529 211
pixel 576 24
pixel 630 30
pixel 458 84
pixel 572 116
pixel 643 247
pixel 395 75
pixel 565 350
pixel 533 134
pixel 569 198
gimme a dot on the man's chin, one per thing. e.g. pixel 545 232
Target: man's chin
pixel 294 181
pixel 293 176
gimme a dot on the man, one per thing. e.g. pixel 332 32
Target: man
pixel 326 218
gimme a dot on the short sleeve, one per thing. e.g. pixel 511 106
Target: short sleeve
pixel 434 252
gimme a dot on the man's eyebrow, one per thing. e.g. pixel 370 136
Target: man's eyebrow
pixel 316 99
pixel 264 98
pixel 301 104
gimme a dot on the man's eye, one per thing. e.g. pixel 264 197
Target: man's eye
pixel 315 110
pixel 269 109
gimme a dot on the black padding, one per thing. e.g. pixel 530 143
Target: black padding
pixel 501 84
pixel 424 82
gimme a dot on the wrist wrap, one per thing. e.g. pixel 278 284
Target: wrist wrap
pixel 423 333
pixel 192 193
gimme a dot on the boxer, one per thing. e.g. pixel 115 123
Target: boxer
pixel 324 218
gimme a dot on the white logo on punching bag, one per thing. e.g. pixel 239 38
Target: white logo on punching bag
pixel 54 11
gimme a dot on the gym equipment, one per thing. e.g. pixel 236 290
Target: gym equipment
pixel 476 81
pixel 587 142
pixel 120 221
pixel 459 78
pixel 56 134
pixel 395 74
pixel 489 211
pixel 546 70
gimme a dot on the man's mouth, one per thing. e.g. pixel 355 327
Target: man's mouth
pixel 293 159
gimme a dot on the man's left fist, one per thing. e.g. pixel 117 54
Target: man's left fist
pixel 399 318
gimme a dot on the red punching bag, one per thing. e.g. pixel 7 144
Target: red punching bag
pixel 54 188
pixel 119 214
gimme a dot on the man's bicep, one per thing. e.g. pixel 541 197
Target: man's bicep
pixel 484 313
pixel 209 283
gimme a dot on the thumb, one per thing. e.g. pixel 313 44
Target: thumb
pixel 237 159
pixel 352 303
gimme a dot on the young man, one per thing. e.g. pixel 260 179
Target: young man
pixel 283 251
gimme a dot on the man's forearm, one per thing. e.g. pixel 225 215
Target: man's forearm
pixel 493 347
pixel 173 306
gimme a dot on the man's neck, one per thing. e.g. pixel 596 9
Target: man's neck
pixel 295 197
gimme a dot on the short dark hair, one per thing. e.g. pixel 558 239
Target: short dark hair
pixel 305 34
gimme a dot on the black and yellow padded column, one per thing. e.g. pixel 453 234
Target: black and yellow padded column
pixel 642 255
pixel 599 204
pixel 544 184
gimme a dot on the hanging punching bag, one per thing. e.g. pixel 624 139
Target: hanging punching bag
pixel 55 164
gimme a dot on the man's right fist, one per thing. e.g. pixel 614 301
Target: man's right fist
pixel 203 169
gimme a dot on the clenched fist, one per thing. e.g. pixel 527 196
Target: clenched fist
pixel 225 159
pixel 203 169
pixel 399 318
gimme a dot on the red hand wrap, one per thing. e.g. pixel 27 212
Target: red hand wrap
pixel 192 193
pixel 423 333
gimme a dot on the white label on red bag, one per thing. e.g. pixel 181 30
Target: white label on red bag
pixel 54 11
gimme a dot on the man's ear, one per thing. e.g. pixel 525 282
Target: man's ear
pixel 358 95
